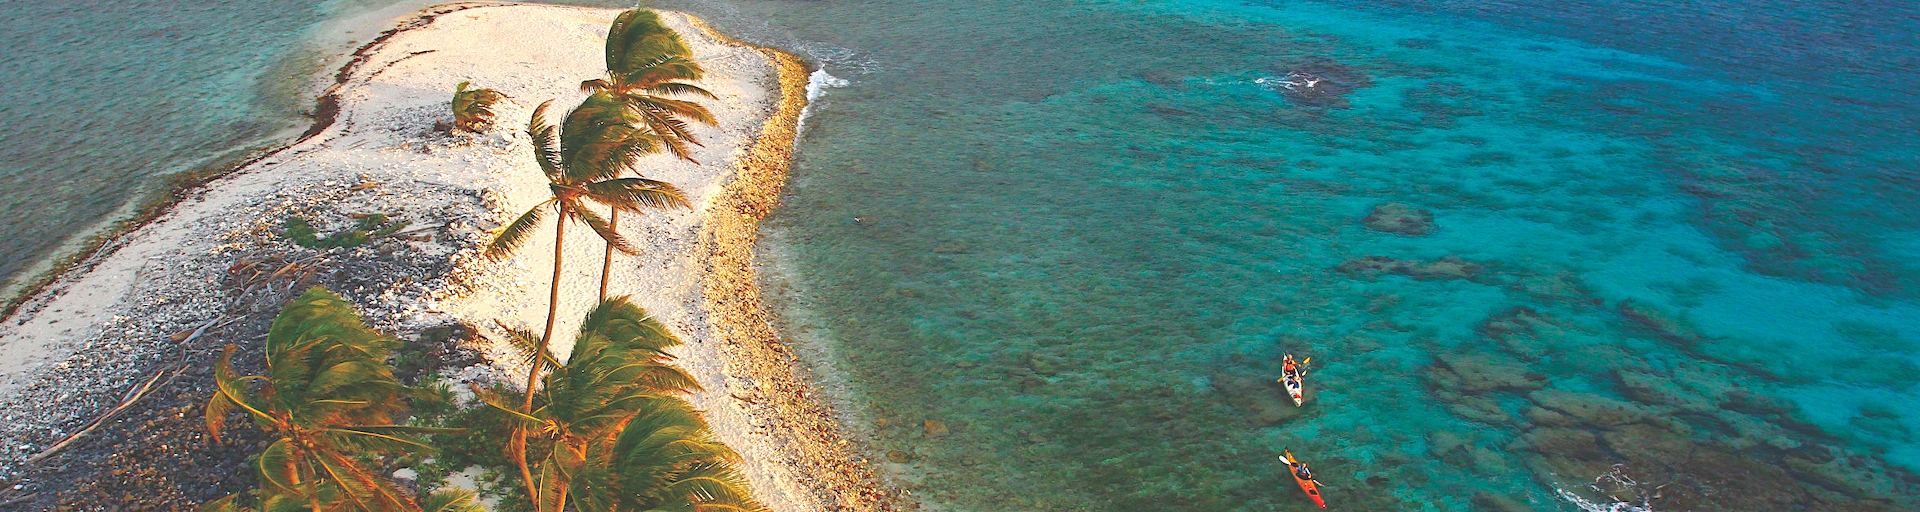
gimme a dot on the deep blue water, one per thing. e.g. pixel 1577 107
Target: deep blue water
pixel 1677 239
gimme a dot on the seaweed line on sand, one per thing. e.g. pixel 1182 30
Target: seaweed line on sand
pixel 815 441
pixel 179 186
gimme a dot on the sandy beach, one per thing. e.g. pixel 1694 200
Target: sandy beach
pixel 149 310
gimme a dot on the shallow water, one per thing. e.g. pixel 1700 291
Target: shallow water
pixel 1677 237
pixel 1080 235
pixel 102 98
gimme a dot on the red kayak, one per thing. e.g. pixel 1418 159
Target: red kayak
pixel 1306 484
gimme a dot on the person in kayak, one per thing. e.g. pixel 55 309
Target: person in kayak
pixel 1303 477
pixel 1288 368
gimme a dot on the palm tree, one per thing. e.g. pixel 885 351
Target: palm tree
pixel 618 438
pixel 329 395
pixel 646 62
pixel 445 500
pixel 598 141
pixel 473 108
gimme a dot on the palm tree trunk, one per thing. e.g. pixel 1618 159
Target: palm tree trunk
pixel 313 488
pixel 553 306
pixel 517 450
pixel 606 264
pixel 519 442
pixel 560 502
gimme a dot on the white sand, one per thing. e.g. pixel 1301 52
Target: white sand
pixel 163 276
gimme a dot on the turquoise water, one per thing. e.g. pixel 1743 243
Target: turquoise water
pixel 1676 238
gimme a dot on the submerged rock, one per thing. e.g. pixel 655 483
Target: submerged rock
pixel 1320 82
pixel 1662 325
pixel 1482 500
pixel 1558 408
pixel 1518 320
pixel 1445 268
pixel 1472 374
pixel 1399 218
pixel 1257 398
pixel 1648 389
pixel 1480 409
pixel 1564 442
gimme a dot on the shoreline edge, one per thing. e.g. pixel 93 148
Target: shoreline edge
pixel 819 444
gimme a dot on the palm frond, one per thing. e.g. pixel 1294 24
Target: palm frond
pixel 329 386
pixel 525 346
pixel 546 143
pixel 600 227
pixel 517 232
pixel 473 108
pixel 596 85
pixel 626 443
pixel 346 373
pixel 714 486
pixel 279 467
pixel 637 37
pixel 636 195
pixel 372 440
pixel 668 107
pixel 602 138
pixel 363 486
pixel 452 500
pixel 220 404
pixel 233 390
pixel 672 88
pixel 658 70
pixel 674 133
pixel 497 403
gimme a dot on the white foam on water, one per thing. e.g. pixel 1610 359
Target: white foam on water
pixel 820 81
pixel 1587 505
pixel 817 85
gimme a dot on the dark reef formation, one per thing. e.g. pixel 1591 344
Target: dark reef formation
pixel 1321 83
pixel 1399 219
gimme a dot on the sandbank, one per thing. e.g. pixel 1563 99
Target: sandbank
pixel 76 348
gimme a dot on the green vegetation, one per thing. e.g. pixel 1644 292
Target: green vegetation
pixel 646 62
pixel 582 160
pixel 613 432
pixel 330 397
pixel 607 430
pixel 612 435
pixel 473 108
pixel 371 226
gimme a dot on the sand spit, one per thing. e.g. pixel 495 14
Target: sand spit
pixel 148 312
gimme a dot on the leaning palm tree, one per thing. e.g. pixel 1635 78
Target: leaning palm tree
pixel 473 108
pixel 618 438
pixel 646 63
pixel 598 141
pixel 329 395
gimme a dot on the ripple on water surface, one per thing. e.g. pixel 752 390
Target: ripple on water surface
pixel 1060 248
